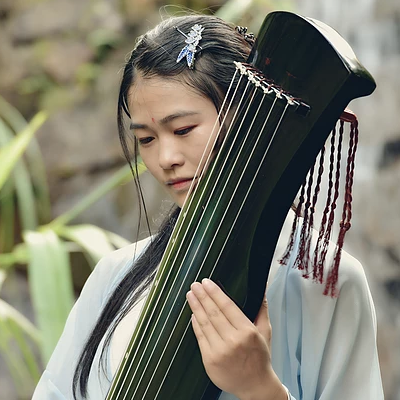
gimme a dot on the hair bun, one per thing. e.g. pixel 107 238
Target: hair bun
pixel 248 37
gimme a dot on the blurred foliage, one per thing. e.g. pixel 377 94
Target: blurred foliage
pixel 87 73
pixel 252 12
pixel 103 41
pixel 35 83
pixel 28 237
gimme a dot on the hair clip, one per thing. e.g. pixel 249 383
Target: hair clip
pixel 248 37
pixel 192 42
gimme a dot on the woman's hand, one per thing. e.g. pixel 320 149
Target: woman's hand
pixel 235 352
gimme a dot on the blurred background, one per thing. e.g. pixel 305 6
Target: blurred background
pixel 67 198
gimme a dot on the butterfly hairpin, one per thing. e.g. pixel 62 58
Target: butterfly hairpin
pixel 192 42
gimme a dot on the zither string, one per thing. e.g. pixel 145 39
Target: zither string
pixel 178 226
pixel 240 178
pixel 216 233
pixel 250 128
pixel 221 222
pixel 239 128
pixel 198 205
pixel 197 227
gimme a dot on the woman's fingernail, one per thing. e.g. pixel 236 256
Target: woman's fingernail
pixel 195 286
pixel 190 295
pixel 207 282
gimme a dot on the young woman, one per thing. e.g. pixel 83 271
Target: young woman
pixel 321 348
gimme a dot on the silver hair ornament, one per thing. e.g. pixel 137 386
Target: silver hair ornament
pixel 192 42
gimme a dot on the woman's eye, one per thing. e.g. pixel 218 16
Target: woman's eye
pixel 184 131
pixel 145 140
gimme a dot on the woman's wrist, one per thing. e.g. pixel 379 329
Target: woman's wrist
pixel 273 390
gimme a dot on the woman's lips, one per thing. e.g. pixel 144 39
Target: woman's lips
pixel 181 184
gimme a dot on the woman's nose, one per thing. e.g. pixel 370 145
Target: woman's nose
pixel 170 154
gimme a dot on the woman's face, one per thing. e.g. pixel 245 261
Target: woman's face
pixel 173 125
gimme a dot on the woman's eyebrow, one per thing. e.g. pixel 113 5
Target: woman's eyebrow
pixel 137 126
pixel 176 115
pixel 165 120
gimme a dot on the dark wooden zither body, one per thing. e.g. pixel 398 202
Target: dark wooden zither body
pixel 229 232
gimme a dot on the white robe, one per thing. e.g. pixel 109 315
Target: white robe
pixel 322 348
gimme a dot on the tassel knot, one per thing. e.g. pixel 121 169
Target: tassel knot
pixel 307 204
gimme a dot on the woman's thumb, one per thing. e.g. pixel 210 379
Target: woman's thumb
pixel 262 321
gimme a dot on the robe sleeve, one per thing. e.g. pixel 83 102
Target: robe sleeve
pixel 56 381
pixel 325 348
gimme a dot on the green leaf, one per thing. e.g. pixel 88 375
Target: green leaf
pixel 92 239
pixel 3 277
pixel 50 285
pixel 17 351
pixel 121 177
pixel 27 355
pixel 7 260
pixel 10 154
pixel 19 255
pixel 17 123
pixel 9 313
pixel 22 183
pixel 117 240
pixel 7 217
pixel 16 368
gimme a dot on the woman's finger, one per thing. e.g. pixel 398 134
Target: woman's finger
pixel 204 324
pixel 201 339
pixel 214 314
pixel 228 308
pixel 263 323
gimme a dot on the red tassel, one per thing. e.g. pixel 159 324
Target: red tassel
pixel 301 261
pixel 318 267
pixel 345 223
pixel 285 258
pixel 308 198
pixel 314 203
pixel 331 217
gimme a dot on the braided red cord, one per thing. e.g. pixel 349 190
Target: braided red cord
pixel 345 222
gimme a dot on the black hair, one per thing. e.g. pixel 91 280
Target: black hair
pixel 155 55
